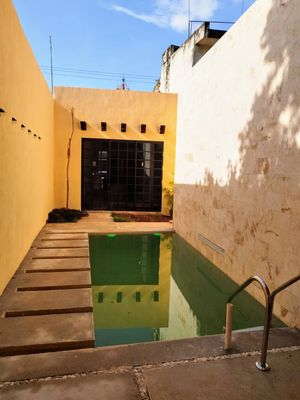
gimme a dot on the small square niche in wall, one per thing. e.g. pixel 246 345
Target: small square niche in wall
pixel 103 126
pixel 123 127
pixel 83 125
pixel 143 128
pixel 162 129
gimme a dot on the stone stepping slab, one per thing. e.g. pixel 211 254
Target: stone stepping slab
pixel 48 244
pixel 53 280
pixel 35 334
pixel 58 264
pixel 47 302
pixel 64 236
pixel 58 231
pixel 60 253
pixel 121 386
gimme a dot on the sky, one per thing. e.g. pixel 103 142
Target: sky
pixel 96 42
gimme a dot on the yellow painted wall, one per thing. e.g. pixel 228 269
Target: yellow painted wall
pixel 113 107
pixel 26 162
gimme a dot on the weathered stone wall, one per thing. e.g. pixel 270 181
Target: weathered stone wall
pixel 178 62
pixel 237 179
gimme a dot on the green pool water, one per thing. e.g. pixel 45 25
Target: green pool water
pixel 151 287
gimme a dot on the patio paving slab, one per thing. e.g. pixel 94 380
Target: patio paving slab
pixel 48 244
pixel 121 386
pixel 58 264
pixel 42 280
pixel 47 302
pixel 227 379
pixel 60 253
pixel 23 335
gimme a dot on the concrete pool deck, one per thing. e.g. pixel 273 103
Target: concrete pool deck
pixel 226 379
pixel 195 368
pixel 47 337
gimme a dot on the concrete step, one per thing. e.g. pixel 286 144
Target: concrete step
pixel 53 280
pixel 61 264
pixel 60 253
pixel 66 244
pixel 224 379
pixel 152 353
pixel 34 334
pixel 47 302
pixel 64 236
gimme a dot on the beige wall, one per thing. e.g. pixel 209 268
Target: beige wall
pixel 113 107
pixel 178 61
pixel 238 150
pixel 26 162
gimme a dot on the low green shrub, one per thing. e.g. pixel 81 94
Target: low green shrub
pixel 60 215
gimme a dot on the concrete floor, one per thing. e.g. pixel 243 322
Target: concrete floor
pixel 47 307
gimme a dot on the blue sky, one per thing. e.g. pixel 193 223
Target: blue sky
pixel 113 37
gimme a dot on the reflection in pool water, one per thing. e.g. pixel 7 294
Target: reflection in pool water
pixel 157 287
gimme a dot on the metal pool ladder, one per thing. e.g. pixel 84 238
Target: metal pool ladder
pixel 269 297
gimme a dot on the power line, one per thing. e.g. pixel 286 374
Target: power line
pixel 102 73
pixel 51 61
pixel 99 78
pixel 216 22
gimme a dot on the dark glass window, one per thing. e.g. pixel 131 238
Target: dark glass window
pixel 121 175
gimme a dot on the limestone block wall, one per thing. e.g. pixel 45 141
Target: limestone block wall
pixel 178 61
pixel 26 145
pixel 237 182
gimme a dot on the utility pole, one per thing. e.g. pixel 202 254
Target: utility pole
pixel 50 40
pixel 189 18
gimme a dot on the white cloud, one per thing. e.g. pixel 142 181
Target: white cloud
pixel 173 13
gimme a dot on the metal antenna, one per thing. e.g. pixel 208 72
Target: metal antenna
pixel 189 18
pixel 50 40
pixel 243 4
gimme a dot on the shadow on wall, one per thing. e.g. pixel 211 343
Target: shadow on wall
pixel 255 217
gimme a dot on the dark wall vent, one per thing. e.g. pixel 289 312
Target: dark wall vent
pixel 162 129
pixel 123 127
pixel 143 128
pixel 103 126
pixel 83 125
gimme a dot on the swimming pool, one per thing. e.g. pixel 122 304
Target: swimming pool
pixel 150 287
